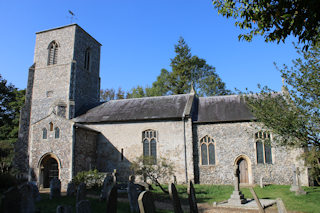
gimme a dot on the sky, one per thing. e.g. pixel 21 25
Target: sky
pixel 138 39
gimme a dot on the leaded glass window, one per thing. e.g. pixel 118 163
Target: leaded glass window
pixel 207 147
pixel 87 59
pixel 149 140
pixel 263 148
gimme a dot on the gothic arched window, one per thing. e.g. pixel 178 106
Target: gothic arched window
pixel 52 53
pixel 56 132
pixel 44 133
pixel 207 147
pixel 87 59
pixel 149 141
pixel 263 147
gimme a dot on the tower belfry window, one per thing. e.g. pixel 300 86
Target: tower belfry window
pixel 52 53
pixel 87 59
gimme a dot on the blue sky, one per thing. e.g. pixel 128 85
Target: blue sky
pixel 138 40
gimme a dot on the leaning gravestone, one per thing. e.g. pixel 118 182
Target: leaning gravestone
pixel 112 200
pixel 83 207
pixel 55 188
pixel 71 189
pixel 133 195
pixel 192 198
pixel 27 199
pixel 175 199
pixel 64 209
pixel 107 186
pixel 146 203
pixel 11 201
pixel 81 192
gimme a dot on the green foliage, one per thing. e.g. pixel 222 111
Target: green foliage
pixel 274 19
pixel 111 94
pixel 92 179
pixel 163 170
pixel 294 116
pixel 11 101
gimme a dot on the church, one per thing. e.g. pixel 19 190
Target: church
pixel 65 129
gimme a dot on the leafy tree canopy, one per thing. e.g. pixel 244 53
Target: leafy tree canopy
pixel 274 19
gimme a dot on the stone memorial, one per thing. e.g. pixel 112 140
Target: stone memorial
pixel 175 198
pixel 294 186
pixel 112 198
pixel 64 209
pixel 192 198
pixel 133 194
pixel 107 186
pixel 280 205
pixel 55 188
pixel 27 198
pixel 300 190
pixel 71 189
pixel 83 206
pixel 81 192
pixel 237 198
pixel 11 200
pixel 146 202
pixel 35 191
pixel 261 182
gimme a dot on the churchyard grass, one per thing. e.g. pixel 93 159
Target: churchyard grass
pixel 218 193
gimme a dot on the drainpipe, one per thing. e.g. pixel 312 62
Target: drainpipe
pixel 185 147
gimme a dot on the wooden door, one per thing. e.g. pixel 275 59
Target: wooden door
pixel 243 168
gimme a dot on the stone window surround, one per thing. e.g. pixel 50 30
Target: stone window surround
pixel 255 148
pixel 55 45
pixel 149 139
pixel 44 133
pixel 215 152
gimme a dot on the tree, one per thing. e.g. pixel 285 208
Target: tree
pixel 11 101
pixel 111 94
pixel 295 115
pixel 274 19
pixel 163 169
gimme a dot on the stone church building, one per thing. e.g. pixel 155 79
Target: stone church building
pixel 65 129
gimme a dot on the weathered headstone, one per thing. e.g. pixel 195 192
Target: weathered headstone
pixel 64 209
pixel 11 200
pixel 133 195
pixel 107 186
pixel 260 207
pixel 35 191
pixel 300 190
pixel 192 198
pixel 146 203
pixel 71 189
pixel 261 182
pixel 281 207
pixel 112 200
pixel 55 188
pixel 27 199
pixel 175 198
pixel 237 198
pixel 83 206
pixel 81 192
pixel 294 186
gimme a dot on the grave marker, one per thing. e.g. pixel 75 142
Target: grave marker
pixel 175 198
pixel 146 203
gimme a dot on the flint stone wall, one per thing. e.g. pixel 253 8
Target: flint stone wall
pixel 233 140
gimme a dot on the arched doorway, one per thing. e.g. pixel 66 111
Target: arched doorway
pixel 243 168
pixel 49 169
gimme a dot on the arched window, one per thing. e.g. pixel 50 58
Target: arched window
pixel 44 133
pixel 56 132
pixel 207 147
pixel 87 59
pixel 52 53
pixel 263 148
pixel 149 140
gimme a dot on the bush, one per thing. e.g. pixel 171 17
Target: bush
pixel 92 178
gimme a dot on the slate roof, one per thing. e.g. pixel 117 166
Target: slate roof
pixel 226 108
pixel 149 108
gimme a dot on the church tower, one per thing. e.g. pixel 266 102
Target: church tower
pixel 63 80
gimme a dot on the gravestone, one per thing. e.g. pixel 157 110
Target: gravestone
pixel 55 188
pixel 237 198
pixel 133 195
pixel 175 198
pixel 35 191
pixel 27 198
pixel 192 198
pixel 281 207
pixel 261 182
pixel 112 200
pixel 11 200
pixel 294 186
pixel 83 206
pixel 81 192
pixel 107 186
pixel 71 189
pixel 64 209
pixel 146 202
pixel 300 190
